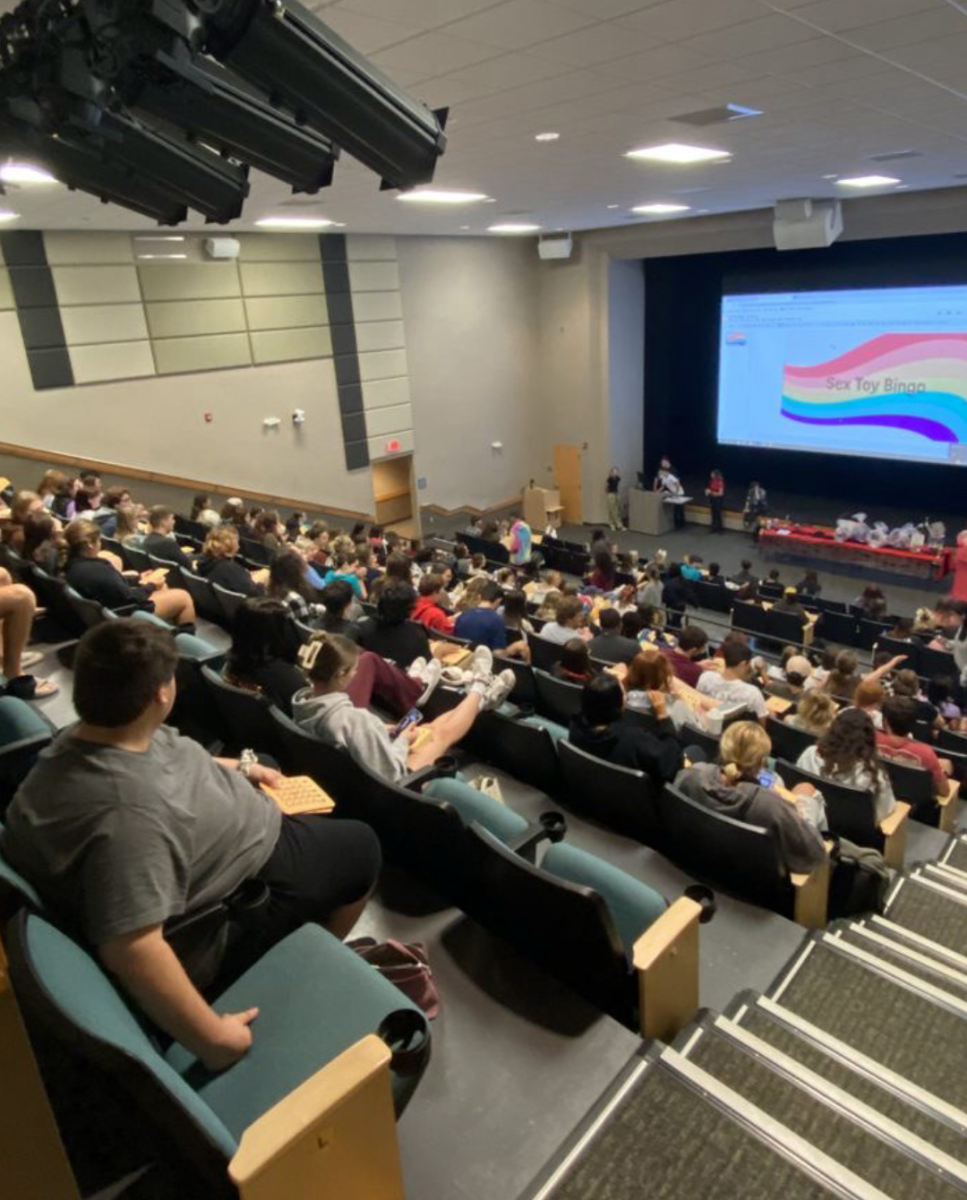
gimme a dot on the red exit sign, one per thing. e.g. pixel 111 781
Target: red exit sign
pixel 392 447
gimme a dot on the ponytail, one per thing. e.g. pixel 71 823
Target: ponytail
pixel 732 772
pixel 326 656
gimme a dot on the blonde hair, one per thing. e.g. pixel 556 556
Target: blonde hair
pixel 80 535
pixel 816 711
pixel 325 656
pixel 127 523
pixel 52 482
pixel 222 541
pixel 472 593
pixel 744 747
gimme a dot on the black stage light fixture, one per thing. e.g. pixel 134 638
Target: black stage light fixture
pixel 300 62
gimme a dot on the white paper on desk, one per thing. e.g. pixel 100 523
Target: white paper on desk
pixel 677 499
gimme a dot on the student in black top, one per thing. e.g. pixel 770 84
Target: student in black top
pixel 218 564
pixel 160 540
pixel 390 633
pixel 97 579
pixel 265 643
pixel 745 575
pixel 609 646
pixel 337 599
pixel 43 542
pixel 809 585
pixel 715 576
pixel 675 595
pixel 605 730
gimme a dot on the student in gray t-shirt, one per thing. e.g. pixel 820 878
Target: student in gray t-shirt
pixel 124 824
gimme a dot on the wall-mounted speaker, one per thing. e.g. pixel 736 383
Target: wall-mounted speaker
pixel 222 247
pixel 555 246
pixel 806 224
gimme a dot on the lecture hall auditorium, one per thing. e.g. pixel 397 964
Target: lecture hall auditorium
pixel 483 600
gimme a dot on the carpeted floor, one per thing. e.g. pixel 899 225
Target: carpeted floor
pixel 873 1158
pixel 895 955
pixel 903 1031
pixel 666 1143
pixel 946 1138
pixel 958 856
pixel 931 914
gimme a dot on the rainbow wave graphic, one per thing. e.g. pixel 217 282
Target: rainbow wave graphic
pixel 911 381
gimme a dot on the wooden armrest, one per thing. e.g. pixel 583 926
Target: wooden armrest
pixel 948 809
pixel 665 958
pixel 338 1126
pixel 894 830
pixel 812 895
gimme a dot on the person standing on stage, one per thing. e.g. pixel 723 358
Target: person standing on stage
pixel 716 500
pixel 672 491
pixel 756 504
pixel 611 486
pixel 664 465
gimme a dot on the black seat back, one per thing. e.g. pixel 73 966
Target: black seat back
pixel 557 698
pixel 741 858
pixel 938 662
pixel 229 602
pixel 787 627
pixel 525 751
pixel 850 811
pixel 915 786
pixel 203 597
pixel 787 741
pixel 135 559
pixel 712 596
pixel 524 692
pixel 750 618
pixel 618 797
pixel 894 646
pixel 246 715
pixel 52 594
pixel 544 654
pixel 839 627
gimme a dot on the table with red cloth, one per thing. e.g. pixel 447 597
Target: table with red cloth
pixel 819 542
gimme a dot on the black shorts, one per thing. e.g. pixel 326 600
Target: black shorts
pixel 320 863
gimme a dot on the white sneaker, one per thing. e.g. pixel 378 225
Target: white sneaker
pixel 498 690
pixel 417 669
pixel 455 676
pixel 432 674
pixel 481 664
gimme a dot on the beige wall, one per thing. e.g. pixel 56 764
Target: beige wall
pixel 470 312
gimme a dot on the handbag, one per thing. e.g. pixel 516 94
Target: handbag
pixel 405 966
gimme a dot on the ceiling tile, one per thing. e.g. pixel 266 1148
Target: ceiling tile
pixel 426 52
pixel 751 37
pixel 655 64
pixel 504 71
pixel 602 10
pixel 598 44
pixel 838 16
pixel 677 19
pixel 905 31
pixel 423 14
pixel 367 34
pixel 518 24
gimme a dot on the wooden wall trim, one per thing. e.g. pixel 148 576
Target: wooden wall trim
pixel 195 485
pixel 439 511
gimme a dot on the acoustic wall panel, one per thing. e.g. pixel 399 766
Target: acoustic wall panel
pixel 288 345
pixel 377 306
pixel 96 285
pixel 88 323
pixel 379 335
pixel 384 393
pixel 382 364
pixel 370 248
pixel 125 360
pixel 339 302
pixel 374 276
pixel 401 443
pixel 88 249
pixel 35 299
pixel 189 281
pixel 278 247
pixel 206 353
pixel 286 312
pixel 6 291
pixel 280 279
pixel 383 421
pixel 183 318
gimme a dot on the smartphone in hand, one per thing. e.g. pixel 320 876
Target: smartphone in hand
pixel 413 717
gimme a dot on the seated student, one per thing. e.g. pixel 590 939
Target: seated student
pixel 652 631
pixel 478 567
pixel 318 535
pixel 568 622
pixel 53 483
pixel 868 699
pixel 428 610
pixel 217 562
pixel 789 603
pixel 267 528
pixel 745 575
pixel 18 606
pixel 846 753
pixel 391 633
pixel 686 658
pixel 732 787
pixel 907 683
pixel 795 675
pixel 731 687
pixel 604 729
pixel 692 567
pixel 21 506
pixel 844 677
pixel 97 579
pixel 484 626
pixel 610 645
pixel 202 511
pixel 676 595
pixel 604 575
pixel 651 672
pixel 160 540
pixel 123 824
pixel 902 630
pixel 940 693
pixel 574 665
pixel 264 651
pixel 327 712
pixel 809 585
pixel 814 713
pixel 774 577
pixel 715 576
pixel 233 512
pixel 338 601
pixel 43 542
pixel 514 612
pixel 127 528
pixel 288 583
pixel 871 602
pixel 896 741
pixel 345 569
pixel 650 591
pixel 461 561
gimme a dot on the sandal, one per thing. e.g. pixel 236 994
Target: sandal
pixel 30 658
pixel 28 687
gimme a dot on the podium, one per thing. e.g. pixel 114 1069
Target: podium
pixel 647 513
pixel 542 507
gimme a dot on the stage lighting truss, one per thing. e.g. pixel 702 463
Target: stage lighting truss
pixel 125 99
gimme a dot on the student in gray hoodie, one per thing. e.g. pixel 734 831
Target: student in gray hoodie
pixel 732 787
pixel 327 712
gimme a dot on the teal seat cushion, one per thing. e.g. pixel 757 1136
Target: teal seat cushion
pixel 632 904
pixel 13 880
pixel 85 995
pixel 143 615
pixel 189 646
pixel 556 730
pixel 317 998
pixel 472 806
pixel 19 720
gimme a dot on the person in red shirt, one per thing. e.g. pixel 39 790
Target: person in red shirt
pixel 894 741
pixel 716 500
pixel 686 658
pixel 428 610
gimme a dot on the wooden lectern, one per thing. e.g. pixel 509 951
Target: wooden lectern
pixel 647 513
pixel 542 507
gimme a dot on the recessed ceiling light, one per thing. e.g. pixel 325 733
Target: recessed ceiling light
pixel 868 181
pixel 464 226
pixel 159 237
pixel 614 206
pixel 14 172
pixel 141 256
pixel 658 210
pixel 293 222
pixel 509 227
pixel 678 152
pixel 439 196
pixel 830 177
pixel 7 215
pixel 546 137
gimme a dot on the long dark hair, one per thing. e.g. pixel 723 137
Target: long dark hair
pixel 287 573
pixel 850 742
pixel 262 632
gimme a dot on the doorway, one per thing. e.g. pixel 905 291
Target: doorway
pixel 394 496
pixel 567 476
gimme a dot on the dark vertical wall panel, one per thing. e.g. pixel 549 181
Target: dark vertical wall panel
pixel 339 301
